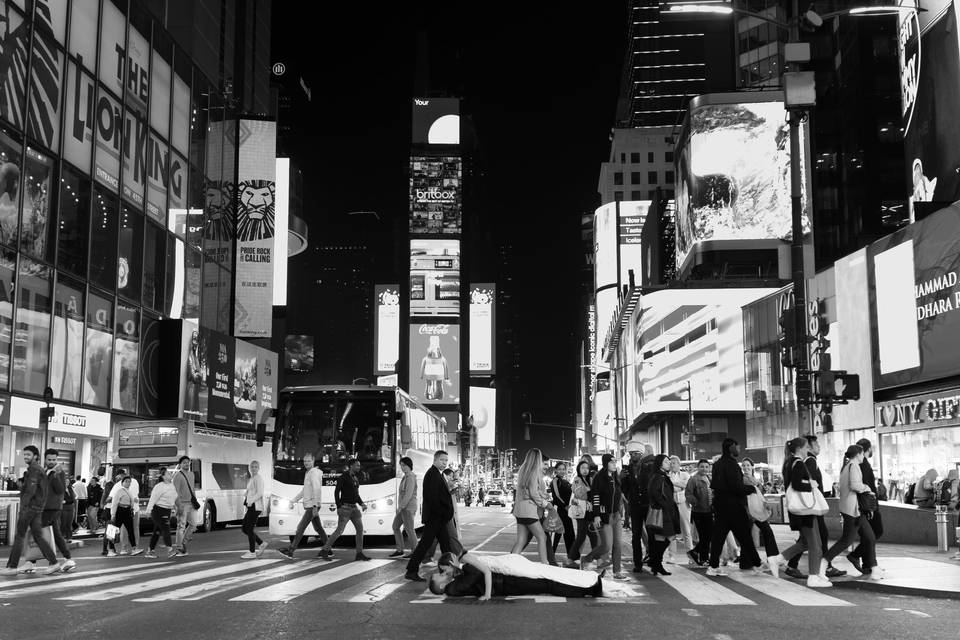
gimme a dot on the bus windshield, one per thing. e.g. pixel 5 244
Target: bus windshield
pixel 335 429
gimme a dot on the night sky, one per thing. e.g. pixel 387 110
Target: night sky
pixel 540 83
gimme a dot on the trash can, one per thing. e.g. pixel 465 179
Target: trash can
pixel 942 522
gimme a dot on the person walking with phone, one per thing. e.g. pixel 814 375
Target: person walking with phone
pixel 187 504
pixel 163 501
pixel 253 501
pixel 350 508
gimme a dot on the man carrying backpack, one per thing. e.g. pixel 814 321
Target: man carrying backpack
pixel 635 480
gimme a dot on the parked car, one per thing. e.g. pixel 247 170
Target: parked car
pixel 495 496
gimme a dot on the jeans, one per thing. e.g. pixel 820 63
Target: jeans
pixel 124 520
pixel 638 515
pixel 610 542
pixel 852 527
pixel 404 518
pixel 161 526
pixel 249 523
pixel 568 534
pixel 809 541
pixel 29 520
pixel 704 524
pixel 733 518
pixel 186 524
pixel 348 513
pixel 767 538
pixel 51 518
pixel 821 526
pixel 68 518
pixel 310 514
pixel 92 518
pixel 436 529
pixel 583 533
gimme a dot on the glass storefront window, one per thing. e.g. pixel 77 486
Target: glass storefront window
pixel 15 35
pixel 130 260
pixel 103 239
pixel 46 81
pixel 154 261
pixel 83 22
pixel 126 359
pixel 32 335
pixel 907 455
pixel 66 356
pixel 8 270
pixel 98 351
pixel 37 233
pixel 10 166
pixel 74 222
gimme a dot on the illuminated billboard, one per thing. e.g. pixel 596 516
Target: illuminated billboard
pixel 483 309
pixel 435 195
pixel 722 195
pixel 254 224
pixel 929 61
pixel 915 304
pixel 386 328
pixel 298 354
pixel 630 235
pixel 483 410
pixel 436 121
pixel 281 228
pixel 435 363
pixel 695 336
pixel 434 277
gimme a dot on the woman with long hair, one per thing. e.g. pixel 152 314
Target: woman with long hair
pixel 607 515
pixel 855 522
pixel 531 496
pixel 660 492
pixel 766 532
pixel 562 493
pixel 797 476
pixel 581 495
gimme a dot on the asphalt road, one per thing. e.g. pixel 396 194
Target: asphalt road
pixel 212 593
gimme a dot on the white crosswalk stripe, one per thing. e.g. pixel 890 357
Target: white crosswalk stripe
pixel 90 582
pixel 80 572
pixel 170 581
pixel 787 591
pixel 701 590
pixel 206 589
pixel 291 589
pixel 373 590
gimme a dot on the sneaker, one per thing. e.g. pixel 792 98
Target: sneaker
pixel 874 575
pixel 717 573
pixel 8 571
pixel 111 554
pixel 68 565
pixel 360 557
pixel 182 551
pixel 407 557
pixel 249 555
pixel 28 567
pixel 173 553
pixel 125 552
pixel 833 572
pixel 150 554
pixel 773 564
pixel 396 554
pixel 955 556
pixel 427 563
pixel 53 568
pixel 287 552
pixel 620 576
pixel 796 574
pixel 818 582
pixel 261 548
pixel 693 557
pixel 137 551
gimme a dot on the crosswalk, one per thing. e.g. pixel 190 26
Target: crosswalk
pixel 277 580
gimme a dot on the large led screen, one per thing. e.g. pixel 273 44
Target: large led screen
pixel 915 304
pixel 298 354
pixel 930 61
pixel 435 363
pixel 387 328
pixel 722 195
pixel 695 336
pixel 435 195
pixel 483 410
pixel 436 121
pixel 483 310
pixel 630 233
pixel 253 305
pixel 434 278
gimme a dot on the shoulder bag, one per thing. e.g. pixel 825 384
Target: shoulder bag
pixel 552 522
pixel 654 519
pixel 757 507
pixel 193 496
pixel 800 505
pixel 867 502
pixel 575 509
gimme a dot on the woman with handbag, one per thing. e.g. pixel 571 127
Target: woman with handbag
pixel 803 502
pixel 531 496
pixel 607 515
pixel 163 500
pixel 121 516
pixel 853 494
pixel 562 494
pixel 663 518
pixel 581 502
pixel 758 510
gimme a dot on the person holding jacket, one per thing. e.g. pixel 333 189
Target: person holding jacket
pixel 854 522
pixel 730 510
pixel 437 511
pixel 661 495
pixel 607 515
pixel 406 508
pixel 700 498
pixel 580 492
pixel 32 501
pixel 531 497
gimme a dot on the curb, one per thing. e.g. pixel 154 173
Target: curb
pixel 880 587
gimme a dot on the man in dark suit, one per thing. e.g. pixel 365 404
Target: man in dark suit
pixel 437 511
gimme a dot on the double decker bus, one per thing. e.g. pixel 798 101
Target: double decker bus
pixel 375 425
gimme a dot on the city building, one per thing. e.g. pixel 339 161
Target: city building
pixel 118 146
pixel 641 161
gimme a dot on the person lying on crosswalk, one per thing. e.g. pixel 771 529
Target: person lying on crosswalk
pixel 509 575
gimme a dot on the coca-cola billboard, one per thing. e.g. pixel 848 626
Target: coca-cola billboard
pixel 435 363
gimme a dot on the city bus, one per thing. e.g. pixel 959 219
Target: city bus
pixel 219 460
pixel 375 425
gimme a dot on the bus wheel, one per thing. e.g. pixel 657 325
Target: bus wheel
pixel 209 521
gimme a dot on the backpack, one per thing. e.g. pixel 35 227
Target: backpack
pixel 908 496
pixel 944 490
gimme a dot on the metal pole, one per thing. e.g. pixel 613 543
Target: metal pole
pixel 690 427
pixel 796 117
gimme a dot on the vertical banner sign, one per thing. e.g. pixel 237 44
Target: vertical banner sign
pixel 193 355
pixel 220 362
pixel 483 410
pixel 387 328
pixel 267 379
pixel 482 327
pixel 245 383
pixel 256 178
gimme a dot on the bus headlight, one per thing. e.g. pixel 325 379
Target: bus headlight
pixel 279 502
pixel 373 506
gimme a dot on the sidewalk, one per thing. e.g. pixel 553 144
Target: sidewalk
pixel 909 569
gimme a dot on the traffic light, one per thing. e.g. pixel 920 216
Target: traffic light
pixel 788 337
pixel 837 385
pixel 804 389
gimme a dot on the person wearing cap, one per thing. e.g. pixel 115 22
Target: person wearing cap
pixel 636 482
